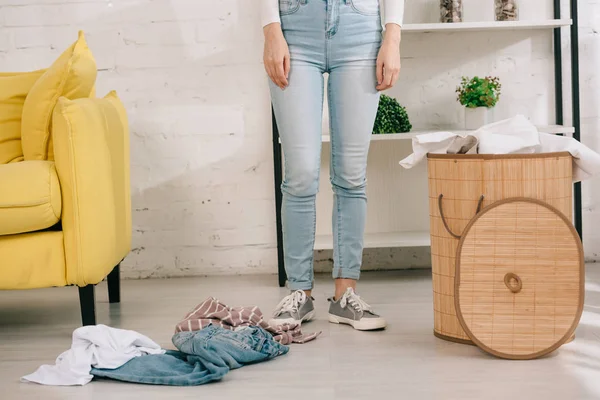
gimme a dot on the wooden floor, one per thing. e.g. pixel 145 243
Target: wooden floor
pixel 404 362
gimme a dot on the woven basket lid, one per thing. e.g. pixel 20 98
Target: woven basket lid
pixel 519 279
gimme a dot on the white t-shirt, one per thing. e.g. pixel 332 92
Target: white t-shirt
pixel 393 11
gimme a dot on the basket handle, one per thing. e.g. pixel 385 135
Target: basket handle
pixel 444 218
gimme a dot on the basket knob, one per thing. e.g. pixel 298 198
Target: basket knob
pixel 513 282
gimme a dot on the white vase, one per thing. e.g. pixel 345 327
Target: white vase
pixel 475 118
pixel 478 10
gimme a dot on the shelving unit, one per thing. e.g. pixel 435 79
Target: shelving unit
pixel 416 234
pixel 552 129
pixel 485 26
pixel 382 240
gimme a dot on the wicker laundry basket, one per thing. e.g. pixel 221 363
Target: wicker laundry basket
pixel 459 187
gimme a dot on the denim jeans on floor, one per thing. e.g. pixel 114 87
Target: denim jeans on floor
pixel 204 356
pixel 341 38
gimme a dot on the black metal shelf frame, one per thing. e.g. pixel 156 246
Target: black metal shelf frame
pixel 559 112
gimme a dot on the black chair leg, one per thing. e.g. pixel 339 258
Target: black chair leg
pixel 114 285
pixel 87 301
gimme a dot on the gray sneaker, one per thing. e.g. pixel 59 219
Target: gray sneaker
pixel 295 308
pixel 354 311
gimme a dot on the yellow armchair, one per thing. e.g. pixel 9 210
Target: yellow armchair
pixel 65 206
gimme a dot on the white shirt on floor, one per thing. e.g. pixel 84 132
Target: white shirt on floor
pixel 96 346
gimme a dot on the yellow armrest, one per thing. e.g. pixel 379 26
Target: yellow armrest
pixel 91 150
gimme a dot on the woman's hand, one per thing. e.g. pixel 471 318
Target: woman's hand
pixel 276 55
pixel 388 60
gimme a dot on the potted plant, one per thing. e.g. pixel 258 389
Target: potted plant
pixel 391 117
pixel 479 96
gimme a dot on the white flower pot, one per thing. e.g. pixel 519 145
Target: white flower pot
pixel 475 118
pixel 478 10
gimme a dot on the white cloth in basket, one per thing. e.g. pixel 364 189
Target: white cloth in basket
pixel 516 135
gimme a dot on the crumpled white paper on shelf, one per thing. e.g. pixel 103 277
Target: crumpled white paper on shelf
pixel 516 135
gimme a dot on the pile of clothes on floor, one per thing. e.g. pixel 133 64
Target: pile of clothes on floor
pixel 211 340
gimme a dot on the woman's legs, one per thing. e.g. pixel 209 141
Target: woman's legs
pixel 353 102
pixel 331 36
pixel 299 110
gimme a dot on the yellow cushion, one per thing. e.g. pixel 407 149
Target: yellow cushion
pixel 13 90
pixel 72 75
pixel 91 140
pixel 32 260
pixel 29 197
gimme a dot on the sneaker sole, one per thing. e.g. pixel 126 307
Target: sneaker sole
pixel 309 315
pixel 367 324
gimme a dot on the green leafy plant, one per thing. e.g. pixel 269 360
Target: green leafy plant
pixel 391 117
pixel 479 92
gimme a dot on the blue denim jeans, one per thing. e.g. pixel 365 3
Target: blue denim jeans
pixel 341 38
pixel 204 356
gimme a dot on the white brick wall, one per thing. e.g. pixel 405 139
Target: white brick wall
pixel 190 74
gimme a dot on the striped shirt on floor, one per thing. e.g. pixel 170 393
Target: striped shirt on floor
pixel 211 311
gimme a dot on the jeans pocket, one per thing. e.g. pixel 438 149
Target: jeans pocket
pixel 287 7
pixel 181 338
pixel 365 7
pixel 241 339
pixel 232 342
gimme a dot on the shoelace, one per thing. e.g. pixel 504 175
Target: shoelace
pixel 290 303
pixel 355 301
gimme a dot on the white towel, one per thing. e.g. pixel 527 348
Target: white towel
pixel 586 162
pixel 512 136
pixel 96 346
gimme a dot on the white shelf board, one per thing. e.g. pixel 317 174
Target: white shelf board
pixel 552 129
pixel 381 240
pixel 486 26
pixel 557 129
pixel 386 136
